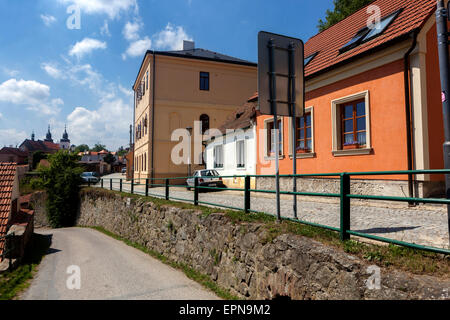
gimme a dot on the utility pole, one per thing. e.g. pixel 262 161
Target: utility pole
pixel 442 32
pixel 131 136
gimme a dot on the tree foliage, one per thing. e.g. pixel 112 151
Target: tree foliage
pixel 98 147
pixel 121 151
pixel 109 158
pixel 62 182
pixel 37 157
pixel 81 148
pixel 342 9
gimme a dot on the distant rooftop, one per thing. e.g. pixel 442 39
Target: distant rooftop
pixel 206 54
pixel 190 52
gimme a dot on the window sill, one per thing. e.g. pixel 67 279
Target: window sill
pixel 273 157
pixel 304 155
pixel 352 152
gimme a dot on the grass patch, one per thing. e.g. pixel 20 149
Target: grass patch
pixel 191 273
pixel 28 185
pixel 12 283
pixel 392 256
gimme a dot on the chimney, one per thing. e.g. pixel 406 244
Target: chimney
pixel 188 45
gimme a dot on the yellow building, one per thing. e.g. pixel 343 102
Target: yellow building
pixel 175 88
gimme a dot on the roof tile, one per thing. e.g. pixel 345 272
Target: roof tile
pixel 327 43
pixel 7 177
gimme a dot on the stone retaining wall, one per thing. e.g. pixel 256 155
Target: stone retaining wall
pixel 239 257
pixel 37 203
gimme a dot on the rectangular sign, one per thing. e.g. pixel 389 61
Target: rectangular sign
pixel 281 63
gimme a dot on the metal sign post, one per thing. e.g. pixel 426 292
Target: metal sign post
pixel 280 59
pixel 292 97
pixel 273 103
pixel 442 31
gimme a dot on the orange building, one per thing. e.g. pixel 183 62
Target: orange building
pixel 370 92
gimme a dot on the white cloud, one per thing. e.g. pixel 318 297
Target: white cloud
pixel 112 8
pixel 138 48
pixel 171 38
pixel 50 108
pixel 109 124
pixel 131 30
pixel 104 30
pixel 32 94
pixel 48 19
pixel 11 137
pixel 1 115
pixel 23 92
pixel 85 75
pixel 52 70
pixel 125 91
pixel 86 46
pixel 10 72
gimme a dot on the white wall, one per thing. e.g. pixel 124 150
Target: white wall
pixel 229 153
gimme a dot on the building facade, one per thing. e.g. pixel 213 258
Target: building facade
pixel 173 90
pixel 8 154
pixel 373 101
pixel 231 151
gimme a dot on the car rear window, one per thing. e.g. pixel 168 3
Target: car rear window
pixel 209 173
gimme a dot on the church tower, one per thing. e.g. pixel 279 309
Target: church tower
pixel 64 143
pixel 48 137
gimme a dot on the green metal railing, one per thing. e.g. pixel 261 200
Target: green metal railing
pixel 344 196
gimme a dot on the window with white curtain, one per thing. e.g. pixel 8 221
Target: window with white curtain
pixel 218 156
pixel 240 154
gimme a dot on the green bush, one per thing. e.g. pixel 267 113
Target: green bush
pixel 62 182
pixel 37 157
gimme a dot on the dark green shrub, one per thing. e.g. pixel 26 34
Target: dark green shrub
pixel 62 182
pixel 37 157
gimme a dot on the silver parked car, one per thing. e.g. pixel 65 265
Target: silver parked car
pixel 206 178
pixel 92 177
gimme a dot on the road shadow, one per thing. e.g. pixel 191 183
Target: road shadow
pixel 38 247
pixel 386 230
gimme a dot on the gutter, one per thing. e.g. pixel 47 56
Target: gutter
pixel 406 73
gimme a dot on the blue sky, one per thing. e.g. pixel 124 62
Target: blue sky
pixel 52 74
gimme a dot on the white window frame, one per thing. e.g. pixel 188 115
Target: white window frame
pixel 267 156
pixel 215 156
pixel 239 141
pixel 311 154
pixel 336 125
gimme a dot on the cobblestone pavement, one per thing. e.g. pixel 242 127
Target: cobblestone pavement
pixel 425 225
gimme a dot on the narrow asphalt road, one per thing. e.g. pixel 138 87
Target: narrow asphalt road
pixel 108 269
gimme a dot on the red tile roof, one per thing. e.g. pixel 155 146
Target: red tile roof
pixel 51 145
pixel 44 146
pixel 7 178
pixel 14 151
pixel 327 43
pixel 241 118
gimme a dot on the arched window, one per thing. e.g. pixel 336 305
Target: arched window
pixel 204 118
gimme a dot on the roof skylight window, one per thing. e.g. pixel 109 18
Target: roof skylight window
pixel 384 23
pixel 366 34
pixel 309 58
pixel 355 41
